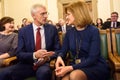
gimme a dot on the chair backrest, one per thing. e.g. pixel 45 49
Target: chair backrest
pixel 113 57
pixel 116 46
pixel 104 48
pixel 61 36
pixel 116 52
pixel 110 36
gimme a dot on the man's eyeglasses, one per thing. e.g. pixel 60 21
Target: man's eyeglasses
pixel 114 16
pixel 44 13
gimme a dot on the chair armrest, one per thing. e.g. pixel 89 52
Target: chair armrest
pixel 115 62
pixel 52 64
pixel 8 61
pixel 117 57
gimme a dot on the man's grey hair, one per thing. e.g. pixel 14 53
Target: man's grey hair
pixel 35 7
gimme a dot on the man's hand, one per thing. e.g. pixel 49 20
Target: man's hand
pixel 40 53
pixel 50 53
pixel 43 56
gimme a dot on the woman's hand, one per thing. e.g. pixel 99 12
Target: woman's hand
pixel 59 62
pixel 61 71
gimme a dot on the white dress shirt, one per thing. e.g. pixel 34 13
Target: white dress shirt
pixel 64 28
pixel 113 25
pixel 43 44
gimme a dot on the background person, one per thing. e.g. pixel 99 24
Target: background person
pixel 99 23
pixel 113 23
pixel 8 39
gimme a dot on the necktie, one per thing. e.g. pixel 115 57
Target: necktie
pixel 113 24
pixel 38 40
pixel 37 47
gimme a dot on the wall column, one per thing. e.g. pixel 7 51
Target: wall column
pixel 1 8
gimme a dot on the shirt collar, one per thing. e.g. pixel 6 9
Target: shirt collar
pixel 35 26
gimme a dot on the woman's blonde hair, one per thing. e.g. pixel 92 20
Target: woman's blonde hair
pixel 80 12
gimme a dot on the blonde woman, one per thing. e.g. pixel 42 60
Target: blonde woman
pixel 83 42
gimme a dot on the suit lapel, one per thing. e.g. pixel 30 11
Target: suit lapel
pixel 46 35
pixel 31 37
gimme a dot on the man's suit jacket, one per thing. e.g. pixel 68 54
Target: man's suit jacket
pixel 26 43
pixel 108 25
pixel 67 28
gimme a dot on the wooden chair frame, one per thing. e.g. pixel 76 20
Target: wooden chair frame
pixel 112 56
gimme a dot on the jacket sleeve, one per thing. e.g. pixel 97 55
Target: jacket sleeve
pixel 23 54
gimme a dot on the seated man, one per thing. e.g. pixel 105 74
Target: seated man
pixel 37 43
pixel 113 23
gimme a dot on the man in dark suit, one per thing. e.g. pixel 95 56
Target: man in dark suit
pixel 113 23
pixel 27 52
pixel 63 27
